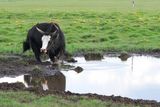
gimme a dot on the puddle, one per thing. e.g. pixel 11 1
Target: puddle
pixel 52 82
pixel 138 77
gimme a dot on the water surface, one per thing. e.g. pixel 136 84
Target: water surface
pixel 137 78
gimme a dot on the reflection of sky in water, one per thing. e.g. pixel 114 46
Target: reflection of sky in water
pixel 137 79
pixel 13 80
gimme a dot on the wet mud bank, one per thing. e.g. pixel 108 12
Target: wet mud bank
pixel 67 94
pixel 13 65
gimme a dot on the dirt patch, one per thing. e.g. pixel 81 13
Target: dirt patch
pixel 12 86
pixel 124 56
pixel 93 56
pixel 18 65
pixel 119 99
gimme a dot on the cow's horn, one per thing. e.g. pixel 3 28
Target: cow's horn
pixel 40 30
pixel 56 26
pixel 54 32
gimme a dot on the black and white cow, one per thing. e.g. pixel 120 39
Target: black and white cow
pixel 45 38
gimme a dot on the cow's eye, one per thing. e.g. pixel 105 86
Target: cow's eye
pixel 49 42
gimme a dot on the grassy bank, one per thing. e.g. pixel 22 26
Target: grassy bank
pixel 106 25
pixel 26 99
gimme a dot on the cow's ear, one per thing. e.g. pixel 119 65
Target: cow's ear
pixel 55 35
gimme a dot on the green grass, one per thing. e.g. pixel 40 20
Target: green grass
pixel 77 5
pixel 88 25
pixel 26 99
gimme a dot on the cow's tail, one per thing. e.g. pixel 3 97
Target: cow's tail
pixel 26 45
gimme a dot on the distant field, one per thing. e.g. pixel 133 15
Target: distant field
pixel 79 5
pixel 88 25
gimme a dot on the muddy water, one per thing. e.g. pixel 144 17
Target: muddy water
pixel 138 77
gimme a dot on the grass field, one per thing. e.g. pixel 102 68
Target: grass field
pixel 26 99
pixel 88 25
pixel 79 5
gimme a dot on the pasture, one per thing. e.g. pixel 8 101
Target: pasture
pixel 88 25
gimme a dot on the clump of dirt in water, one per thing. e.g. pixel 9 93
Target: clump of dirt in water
pixel 93 56
pixel 124 56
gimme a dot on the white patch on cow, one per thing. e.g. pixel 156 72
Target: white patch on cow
pixel 45 85
pixel 47 60
pixel 45 41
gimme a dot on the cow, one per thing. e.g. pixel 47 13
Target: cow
pixel 45 38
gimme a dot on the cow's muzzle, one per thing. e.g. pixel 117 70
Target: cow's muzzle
pixel 43 50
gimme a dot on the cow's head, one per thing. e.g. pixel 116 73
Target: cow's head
pixel 48 39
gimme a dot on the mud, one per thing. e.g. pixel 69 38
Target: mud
pixel 124 56
pixel 93 56
pixel 12 65
pixel 18 65
pixel 12 86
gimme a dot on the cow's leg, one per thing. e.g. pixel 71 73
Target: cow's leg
pixel 37 55
pixel 36 51
pixel 61 55
pixel 52 56
pixel 54 61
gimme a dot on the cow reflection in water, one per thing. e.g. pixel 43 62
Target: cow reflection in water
pixel 55 82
